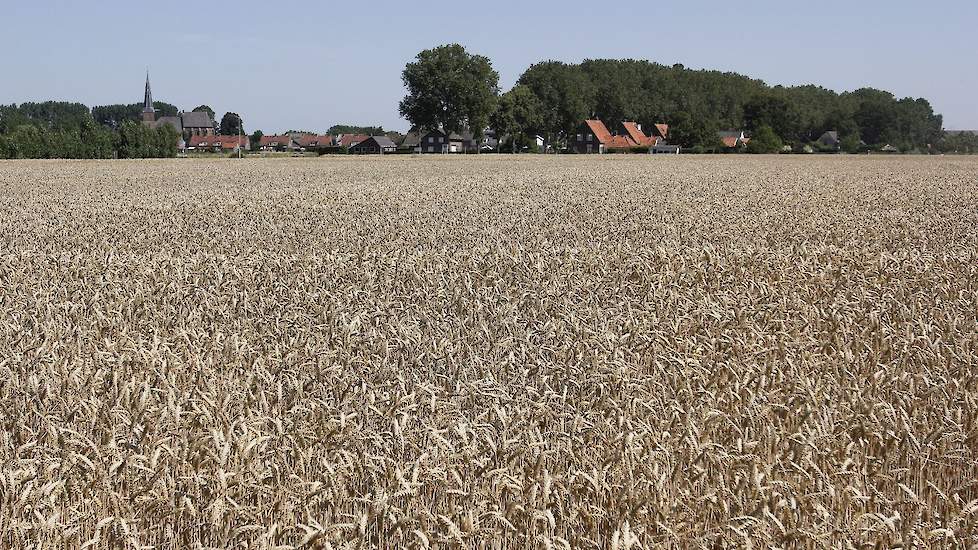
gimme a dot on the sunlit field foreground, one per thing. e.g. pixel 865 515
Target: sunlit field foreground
pixel 489 352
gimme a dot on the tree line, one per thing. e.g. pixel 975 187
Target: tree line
pixel 450 88
pixel 56 129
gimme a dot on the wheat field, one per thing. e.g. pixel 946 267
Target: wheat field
pixel 489 352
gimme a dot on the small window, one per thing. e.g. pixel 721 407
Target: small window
pixel 579 137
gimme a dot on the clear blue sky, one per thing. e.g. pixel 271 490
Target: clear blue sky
pixel 312 64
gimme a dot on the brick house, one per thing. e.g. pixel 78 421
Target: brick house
pixel 219 143
pixel 277 143
pixel 593 137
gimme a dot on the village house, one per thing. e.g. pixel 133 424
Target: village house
pixel 594 137
pixel 277 143
pixel 732 139
pixel 411 141
pixel 374 145
pixel 308 142
pixel 219 144
pixel 830 140
pixel 349 140
pixel 635 132
pixel 438 141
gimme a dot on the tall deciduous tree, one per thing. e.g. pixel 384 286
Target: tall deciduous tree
pixel 231 125
pixel 256 139
pixel 764 141
pixel 517 113
pixel 450 88
pixel 565 95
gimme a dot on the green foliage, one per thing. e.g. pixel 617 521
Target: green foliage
pixel 49 115
pixel 774 111
pixel 255 139
pixel 648 93
pixel 565 96
pixel 68 130
pixel 338 129
pixel 451 89
pixel 764 141
pixel 517 113
pixel 851 143
pixel 114 116
pixel 140 141
pixel 690 131
pixel 231 125
pixel 959 142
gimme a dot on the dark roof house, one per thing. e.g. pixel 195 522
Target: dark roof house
pixel 374 145
pixel 411 140
pixel 438 141
pixel 829 139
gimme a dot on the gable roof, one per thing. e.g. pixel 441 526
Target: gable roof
pixel 283 140
pixel 636 134
pixel 380 141
pixel 830 137
pixel 729 141
pixel 349 140
pixel 663 129
pixel 313 140
pixel 227 142
pixel 621 142
pixel 174 121
pixel 599 130
pixel 411 139
pixel 197 120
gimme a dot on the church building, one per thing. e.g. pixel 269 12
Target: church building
pixel 186 124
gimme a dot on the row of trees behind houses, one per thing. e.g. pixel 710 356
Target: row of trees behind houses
pixel 452 89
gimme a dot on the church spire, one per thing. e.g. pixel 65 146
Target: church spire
pixel 149 113
pixel 148 101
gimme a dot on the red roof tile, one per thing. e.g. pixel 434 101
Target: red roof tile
pixel 275 141
pixel 226 142
pixel 636 134
pixel 312 140
pixel 349 140
pixel 599 130
pixel 621 142
pixel 663 130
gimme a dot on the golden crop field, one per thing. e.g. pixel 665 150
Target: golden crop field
pixel 489 352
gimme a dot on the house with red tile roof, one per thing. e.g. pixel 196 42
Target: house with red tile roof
pixel 349 140
pixel 634 131
pixel 591 137
pixel 277 143
pixel 219 143
pixel 732 139
pixel 312 141
pixel 594 137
